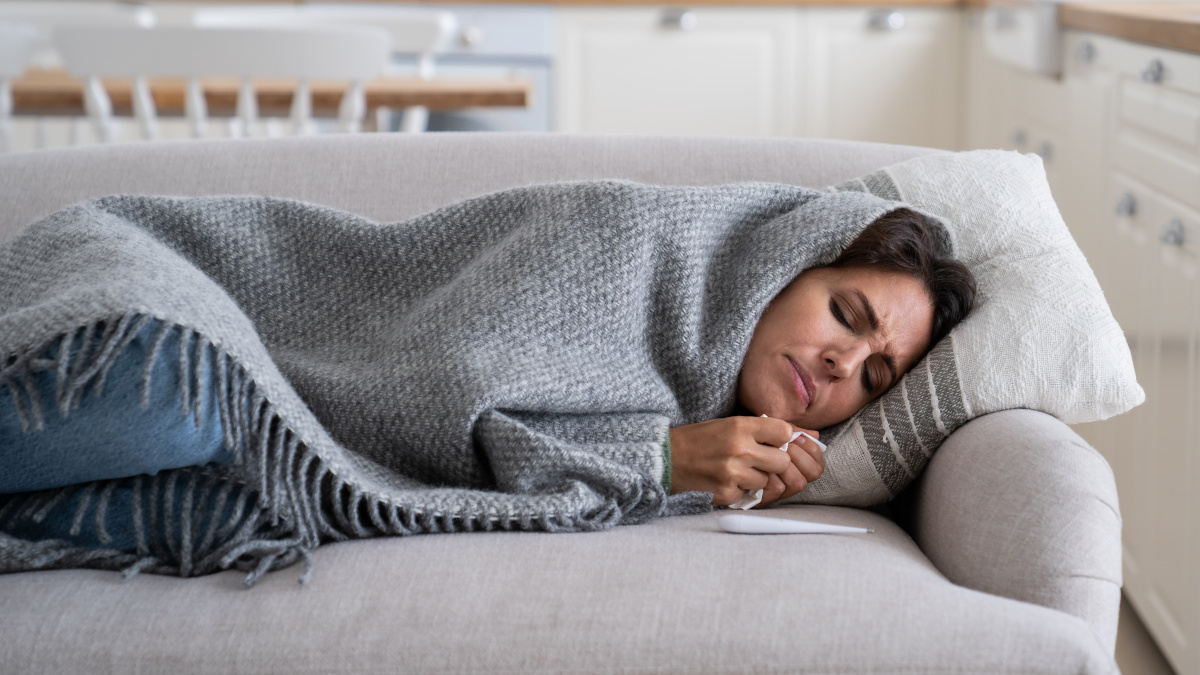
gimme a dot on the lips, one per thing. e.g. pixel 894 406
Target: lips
pixel 801 381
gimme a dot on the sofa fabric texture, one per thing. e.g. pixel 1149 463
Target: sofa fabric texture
pixel 968 571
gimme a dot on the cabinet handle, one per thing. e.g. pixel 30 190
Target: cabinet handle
pixel 1003 18
pixel 1127 205
pixel 470 36
pixel 1085 52
pixel 678 19
pixel 1045 151
pixel 1173 233
pixel 886 20
pixel 1153 72
pixel 1019 137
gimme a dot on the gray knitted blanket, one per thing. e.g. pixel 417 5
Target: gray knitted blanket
pixel 513 361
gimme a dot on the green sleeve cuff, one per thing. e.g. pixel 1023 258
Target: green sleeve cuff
pixel 666 477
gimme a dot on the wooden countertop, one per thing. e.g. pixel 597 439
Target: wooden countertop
pixel 649 3
pixel 1175 25
pixel 51 92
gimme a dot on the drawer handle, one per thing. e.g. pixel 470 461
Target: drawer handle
pixel 1085 52
pixel 1173 233
pixel 1045 151
pixel 1153 72
pixel 471 36
pixel 1003 19
pixel 678 19
pixel 886 20
pixel 1127 205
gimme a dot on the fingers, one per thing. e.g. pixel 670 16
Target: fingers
pixel 775 489
pixel 811 452
pixel 806 465
pixel 808 458
pixel 771 431
pixel 729 456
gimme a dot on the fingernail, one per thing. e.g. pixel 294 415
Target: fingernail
pixel 820 445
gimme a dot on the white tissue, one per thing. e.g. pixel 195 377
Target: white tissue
pixel 748 500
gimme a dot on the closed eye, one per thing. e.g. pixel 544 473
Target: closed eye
pixel 867 382
pixel 836 309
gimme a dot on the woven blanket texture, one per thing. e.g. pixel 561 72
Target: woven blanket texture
pixel 513 361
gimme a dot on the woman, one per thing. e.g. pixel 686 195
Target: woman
pixel 556 357
pixel 836 338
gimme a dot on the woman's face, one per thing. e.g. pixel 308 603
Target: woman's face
pixel 833 340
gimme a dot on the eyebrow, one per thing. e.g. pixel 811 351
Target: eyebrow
pixel 873 319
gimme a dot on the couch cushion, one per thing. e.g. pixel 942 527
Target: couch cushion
pixel 675 595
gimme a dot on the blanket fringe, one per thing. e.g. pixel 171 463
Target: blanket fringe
pixel 286 499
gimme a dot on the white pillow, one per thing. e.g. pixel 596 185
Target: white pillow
pixel 1041 335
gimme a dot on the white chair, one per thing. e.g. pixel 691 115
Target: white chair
pixel 43 16
pixel 414 31
pixel 353 54
pixel 17 44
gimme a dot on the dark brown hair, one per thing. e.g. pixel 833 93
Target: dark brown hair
pixel 904 241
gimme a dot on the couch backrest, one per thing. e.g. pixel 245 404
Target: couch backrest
pixel 388 177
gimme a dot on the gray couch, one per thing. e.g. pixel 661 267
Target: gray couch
pixel 1004 557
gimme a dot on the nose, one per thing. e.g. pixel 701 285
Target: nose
pixel 844 360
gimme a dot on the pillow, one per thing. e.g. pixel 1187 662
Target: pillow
pixel 1041 335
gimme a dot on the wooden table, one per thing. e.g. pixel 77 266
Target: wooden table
pixel 47 92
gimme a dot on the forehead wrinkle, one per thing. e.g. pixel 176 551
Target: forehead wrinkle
pixel 871 317
pixel 882 333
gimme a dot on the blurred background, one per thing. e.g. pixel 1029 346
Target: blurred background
pixel 1107 93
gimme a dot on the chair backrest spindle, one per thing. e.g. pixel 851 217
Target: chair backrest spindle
pixel 144 109
pixel 195 107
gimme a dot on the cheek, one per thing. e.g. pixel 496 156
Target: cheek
pixel 845 399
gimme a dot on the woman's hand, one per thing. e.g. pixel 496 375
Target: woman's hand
pixel 730 455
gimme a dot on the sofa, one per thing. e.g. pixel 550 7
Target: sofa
pixel 1003 557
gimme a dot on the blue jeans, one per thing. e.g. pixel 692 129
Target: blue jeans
pixel 110 435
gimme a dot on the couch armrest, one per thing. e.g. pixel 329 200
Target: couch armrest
pixel 1016 504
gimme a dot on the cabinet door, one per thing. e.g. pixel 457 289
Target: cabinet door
pixel 1035 114
pixel 1156 467
pixel 710 71
pixel 1087 95
pixel 986 96
pixel 1169 586
pixel 1157 118
pixel 1131 452
pixel 884 75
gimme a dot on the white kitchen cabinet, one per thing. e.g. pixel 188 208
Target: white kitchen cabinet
pixel 886 75
pixel 709 70
pixel 1141 231
pixel 986 91
pixel 1014 109
pixel 876 75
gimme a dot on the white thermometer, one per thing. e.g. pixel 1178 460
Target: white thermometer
pixel 741 523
